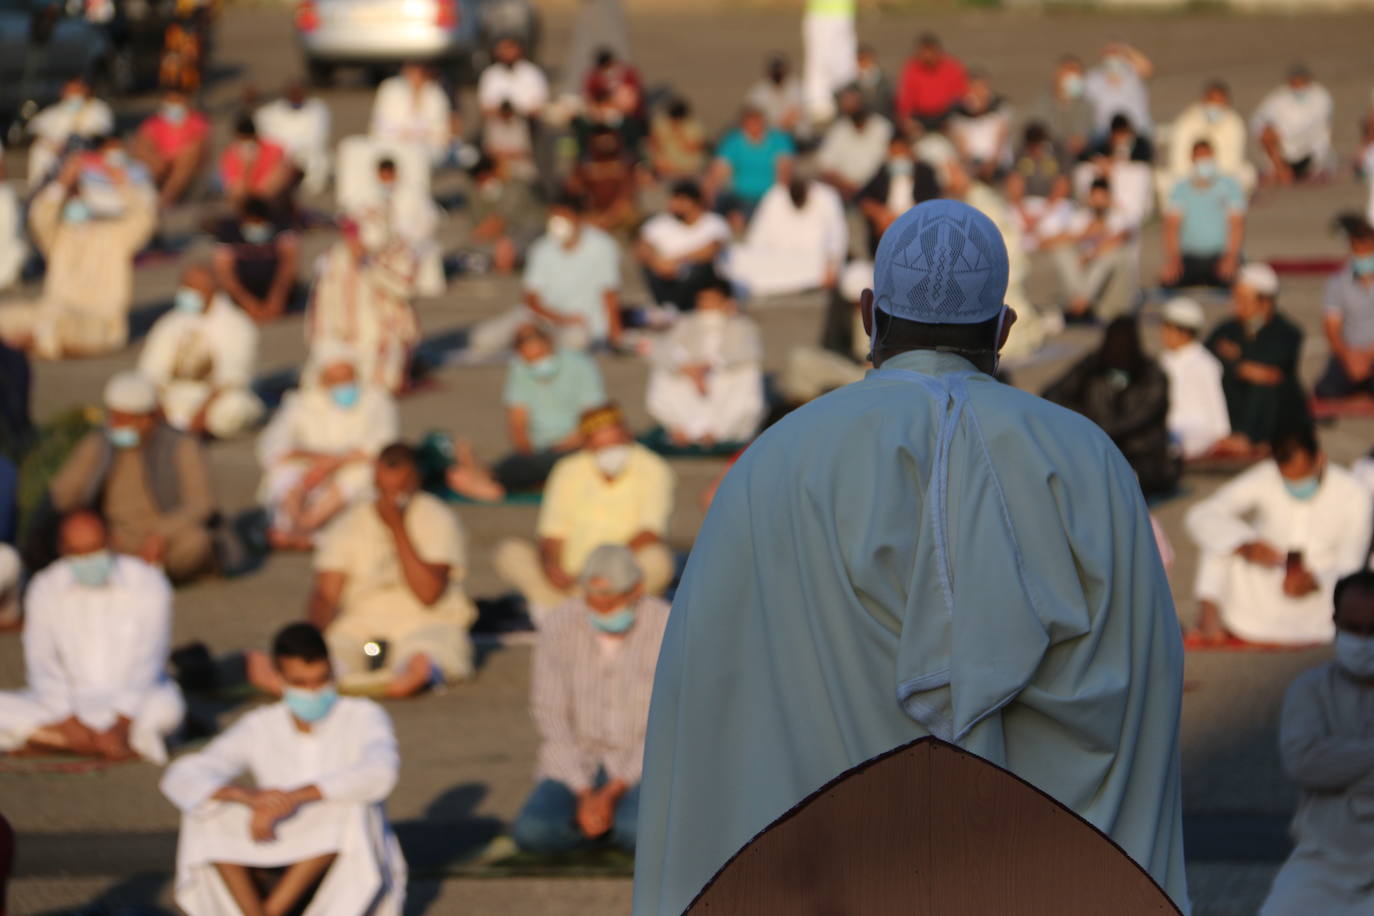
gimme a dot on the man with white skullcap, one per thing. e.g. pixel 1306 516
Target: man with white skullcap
pixel 924 552
pixel 593 671
pixel 1197 408
pixel 150 483
pixel 1259 348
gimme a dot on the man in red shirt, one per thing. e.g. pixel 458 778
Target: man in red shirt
pixel 253 166
pixel 173 143
pixel 932 83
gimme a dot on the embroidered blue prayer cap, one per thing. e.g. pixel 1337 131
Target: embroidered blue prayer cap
pixel 941 262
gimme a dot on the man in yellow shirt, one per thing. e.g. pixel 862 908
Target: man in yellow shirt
pixel 612 491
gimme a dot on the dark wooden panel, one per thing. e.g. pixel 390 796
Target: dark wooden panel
pixel 924 830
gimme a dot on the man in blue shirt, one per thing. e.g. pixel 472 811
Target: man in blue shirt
pixel 1204 225
pixel 1349 318
pixel 750 160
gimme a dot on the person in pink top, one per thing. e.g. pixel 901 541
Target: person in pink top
pixel 932 83
pixel 253 166
pixel 173 143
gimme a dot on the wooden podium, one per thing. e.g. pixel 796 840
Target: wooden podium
pixel 929 829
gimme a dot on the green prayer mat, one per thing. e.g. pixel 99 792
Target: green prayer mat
pixel 657 440
pixel 502 859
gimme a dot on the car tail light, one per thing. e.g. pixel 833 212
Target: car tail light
pixel 307 17
pixel 446 13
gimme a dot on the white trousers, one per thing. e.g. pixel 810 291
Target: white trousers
pixel 730 411
pixel 831 50
pixel 369 875
pixel 233 413
pixel 160 712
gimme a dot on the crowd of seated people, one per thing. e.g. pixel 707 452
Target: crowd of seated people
pixel 633 233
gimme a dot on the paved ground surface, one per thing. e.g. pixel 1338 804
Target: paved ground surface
pixel 106 840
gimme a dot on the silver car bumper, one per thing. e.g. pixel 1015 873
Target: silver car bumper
pixel 382 41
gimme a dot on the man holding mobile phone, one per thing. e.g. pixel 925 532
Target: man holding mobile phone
pixel 1274 542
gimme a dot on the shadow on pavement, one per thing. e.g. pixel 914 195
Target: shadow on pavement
pixel 446 833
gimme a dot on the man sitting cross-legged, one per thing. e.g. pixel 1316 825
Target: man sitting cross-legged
pixel 96 633
pixel 388 589
pixel 322 767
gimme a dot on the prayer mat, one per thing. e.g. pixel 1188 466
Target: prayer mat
pixel 657 440
pixel 502 859
pixel 1311 265
pixel 1356 408
pixel 55 765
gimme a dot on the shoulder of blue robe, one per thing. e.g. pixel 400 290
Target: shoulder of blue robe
pixel 813 631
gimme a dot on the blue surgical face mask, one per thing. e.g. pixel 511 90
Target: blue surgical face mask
pixel 1304 489
pixel 544 368
pixel 1205 169
pixel 615 623
pixel 76 211
pixel 174 114
pixel 189 301
pixel 123 436
pixel 346 396
pixel 1363 265
pixel 92 570
pixel 257 233
pixel 310 706
pixel 901 167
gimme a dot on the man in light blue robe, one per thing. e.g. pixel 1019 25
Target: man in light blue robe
pixel 924 552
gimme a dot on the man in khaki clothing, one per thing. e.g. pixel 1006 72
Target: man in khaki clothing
pixel 612 491
pixel 150 483
pixel 89 224
pixel 388 587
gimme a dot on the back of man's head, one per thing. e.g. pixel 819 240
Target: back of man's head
pixel 301 641
pixel 397 455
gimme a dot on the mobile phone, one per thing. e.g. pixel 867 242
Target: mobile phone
pixel 376 652
pixel 1293 563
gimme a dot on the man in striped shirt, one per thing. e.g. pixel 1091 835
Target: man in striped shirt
pixel 593 674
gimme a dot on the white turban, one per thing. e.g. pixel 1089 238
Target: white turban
pixel 131 391
pixel 1260 277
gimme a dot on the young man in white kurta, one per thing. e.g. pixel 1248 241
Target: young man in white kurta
pixel 706 387
pixel 1293 126
pixel 96 635
pixel 76 116
pixel 1250 583
pixel 319 788
pixel 201 356
pixel 1197 417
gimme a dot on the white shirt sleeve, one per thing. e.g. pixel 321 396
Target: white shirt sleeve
pixel 145 664
pixel 47 680
pixel 236 348
pixel 190 780
pixel 1217 524
pixel 373 776
pixel 158 359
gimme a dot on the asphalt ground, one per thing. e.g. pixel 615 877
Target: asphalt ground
pixel 105 840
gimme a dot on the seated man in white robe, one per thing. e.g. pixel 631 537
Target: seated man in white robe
pixel 72 119
pixel 321 767
pixel 924 552
pixel 89 285
pixel 317 452
pixel 411 122
pixel 1274 542
pixel 201 356
pixel 1293 127
pixel 300 125
pixel 388 590
pixel 1198 418
pixel 797 241
pixel 1326 739
pixel 363 299
pixel 96 635
pixel 592 676
pixel 706 387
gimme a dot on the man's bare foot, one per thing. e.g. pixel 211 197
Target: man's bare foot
pixel 679 438
pixel 261 673
pixel 469 477
pixel 410 680
pixel 283 540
